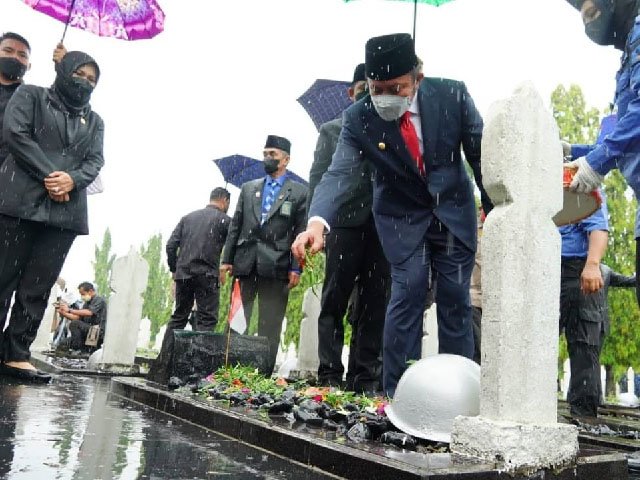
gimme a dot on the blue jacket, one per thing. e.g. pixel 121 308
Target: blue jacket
pixel 625 138
pixel 404 202
pixel 621 148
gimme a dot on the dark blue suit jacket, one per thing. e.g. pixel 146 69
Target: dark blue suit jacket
pixel 403 202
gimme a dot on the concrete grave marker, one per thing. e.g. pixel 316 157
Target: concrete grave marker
pixel 44 335
pixel 430 332
pixel 308 360
pixel 144 334
pixel 128 282
pixel 157 345
pixel 522 172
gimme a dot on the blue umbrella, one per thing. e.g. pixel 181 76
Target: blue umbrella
pixel 325 100
pixel 238 169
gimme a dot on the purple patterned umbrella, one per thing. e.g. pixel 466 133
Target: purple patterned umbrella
pixel 124 19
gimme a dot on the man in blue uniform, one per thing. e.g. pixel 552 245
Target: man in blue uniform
pixel 615 23
pixel 583 307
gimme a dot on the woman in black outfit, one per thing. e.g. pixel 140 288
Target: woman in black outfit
pixel 55 152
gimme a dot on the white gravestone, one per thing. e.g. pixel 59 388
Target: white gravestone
pixel 430 342
pixel 282 350
pixel 157 345
pixel 144 334
pixel 308 360
pixel 566 378
pixel 128 282
pixel 44 335
pixel 346 351
pixel 522 172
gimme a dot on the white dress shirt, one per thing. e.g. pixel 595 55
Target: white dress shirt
pixel 415 119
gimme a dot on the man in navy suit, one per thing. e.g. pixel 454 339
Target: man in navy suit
pixel 411 130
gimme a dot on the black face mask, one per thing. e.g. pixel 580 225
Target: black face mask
pixel 600 30
pixel 271 165
pixel 76 91
pixel 12 69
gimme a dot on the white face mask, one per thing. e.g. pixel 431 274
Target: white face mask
pixel 391 107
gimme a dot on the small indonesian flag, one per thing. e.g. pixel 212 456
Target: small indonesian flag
pixel 236 312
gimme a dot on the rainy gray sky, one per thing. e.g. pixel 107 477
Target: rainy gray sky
pixel 225 74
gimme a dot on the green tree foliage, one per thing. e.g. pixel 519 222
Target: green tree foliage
pixel 225 304
pixel 577 123
pixel 621 347
pixel 158 300
pixel 102 264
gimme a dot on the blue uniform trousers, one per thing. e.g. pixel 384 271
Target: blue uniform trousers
pixel 447 262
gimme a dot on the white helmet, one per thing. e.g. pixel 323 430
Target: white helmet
pixel 434 391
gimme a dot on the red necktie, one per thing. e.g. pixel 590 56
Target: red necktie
pixel 410 137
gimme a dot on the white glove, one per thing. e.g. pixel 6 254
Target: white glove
pixel 586 179
pixel 566 148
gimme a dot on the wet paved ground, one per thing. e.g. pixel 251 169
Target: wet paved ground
pixel 73 429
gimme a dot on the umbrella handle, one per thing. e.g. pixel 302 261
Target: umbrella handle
pixel 66 25
pixel 415 14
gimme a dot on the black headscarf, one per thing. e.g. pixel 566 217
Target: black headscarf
pixel 73 92
pixel 619 16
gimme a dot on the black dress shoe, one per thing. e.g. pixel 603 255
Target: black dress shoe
pixel 33 376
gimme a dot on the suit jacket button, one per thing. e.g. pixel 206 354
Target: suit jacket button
pixel 382 146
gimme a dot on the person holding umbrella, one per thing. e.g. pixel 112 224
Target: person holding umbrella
pixel 354 258
pixel 55 151
pixel 614 23
pixel 412 131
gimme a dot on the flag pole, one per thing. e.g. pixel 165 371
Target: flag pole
pixel 226 353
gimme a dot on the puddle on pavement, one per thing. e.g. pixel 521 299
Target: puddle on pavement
pixel 73 429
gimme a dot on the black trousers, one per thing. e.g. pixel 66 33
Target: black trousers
pixel 273 295
pixel 581 318
pixel 204 291
pixel 585 387
pixel 354 260
pixel 79 331
pixel 31 258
